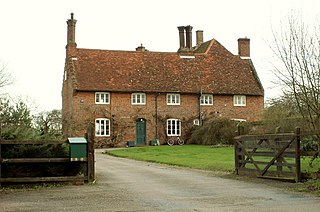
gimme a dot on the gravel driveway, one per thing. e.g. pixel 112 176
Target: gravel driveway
pixel 127 185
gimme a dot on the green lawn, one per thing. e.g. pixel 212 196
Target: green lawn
pixel 194 156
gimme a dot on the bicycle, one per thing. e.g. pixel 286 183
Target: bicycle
pixel 171 141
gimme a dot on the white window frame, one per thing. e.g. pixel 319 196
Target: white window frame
pixel 206 99
pixel 173 127
pixel 239 100
pixel 102 98
pixel 102 127
pixel 173 99
pixel 138 98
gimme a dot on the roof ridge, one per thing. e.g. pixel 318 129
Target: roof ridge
pixel 127 51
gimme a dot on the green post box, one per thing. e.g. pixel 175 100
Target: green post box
pixel 78 148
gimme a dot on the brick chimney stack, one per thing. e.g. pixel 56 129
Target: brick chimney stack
pixel 181 37
pixel 199 37
pixel 188 36
pixel 244 47
pixel 71 31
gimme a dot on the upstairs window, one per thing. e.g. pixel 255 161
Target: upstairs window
pixel 102 127
pixel 102 98
pixel 239 100
pixel 138 99
pixel 206 99
pixel 173 127
pixel 173 99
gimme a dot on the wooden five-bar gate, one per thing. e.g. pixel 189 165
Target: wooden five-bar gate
pixel 271 155
pixel 87 161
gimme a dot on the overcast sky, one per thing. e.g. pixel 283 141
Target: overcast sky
pixel 34 34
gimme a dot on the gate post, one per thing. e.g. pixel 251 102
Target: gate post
pixel 90 153
pixel 237 150
pixel 297 154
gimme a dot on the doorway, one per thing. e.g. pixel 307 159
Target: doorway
pixel 141 131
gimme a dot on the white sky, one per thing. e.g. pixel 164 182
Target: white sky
pixel 34 33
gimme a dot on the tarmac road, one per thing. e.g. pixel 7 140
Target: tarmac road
pixel 128 185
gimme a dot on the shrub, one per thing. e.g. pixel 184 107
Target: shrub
pixel 214 131
pixel 36 169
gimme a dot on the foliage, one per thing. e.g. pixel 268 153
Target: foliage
pixel 298 47
pixel 310 143
pixel 17 123
pixel 15 120
pixel 282 115
pixel 214 131
pixel 36 170
pixel 49 124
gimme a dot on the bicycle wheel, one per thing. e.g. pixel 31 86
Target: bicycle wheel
pixel 180 141
pixel 170 141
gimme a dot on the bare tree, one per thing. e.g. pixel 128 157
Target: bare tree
pixel 297 45
pixel 5 77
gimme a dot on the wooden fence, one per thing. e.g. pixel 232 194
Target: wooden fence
pixel 270 155
pixel 88 161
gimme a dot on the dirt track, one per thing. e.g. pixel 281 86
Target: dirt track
pixel 127 185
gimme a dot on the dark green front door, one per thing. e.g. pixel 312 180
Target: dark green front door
pixel 141 132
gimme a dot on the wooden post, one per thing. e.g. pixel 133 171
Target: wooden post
pixel 279 161
pixel 90 154
pixel 236 159
pixel 297 155
pixel 0 163
pixel 237 150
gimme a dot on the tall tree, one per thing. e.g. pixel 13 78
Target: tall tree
pixel 297 45
pixel 49 124
pixel 15 120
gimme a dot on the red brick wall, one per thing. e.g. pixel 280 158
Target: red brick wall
pixel 123 114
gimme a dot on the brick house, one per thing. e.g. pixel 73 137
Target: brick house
pixel 143 95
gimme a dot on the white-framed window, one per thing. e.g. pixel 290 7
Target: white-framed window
pixel 102 98
pixel 196 122
pixel 102 127
pixel 173 99
pixel 138 98
pixel 206 99
pixel 239 100
pixel 173 127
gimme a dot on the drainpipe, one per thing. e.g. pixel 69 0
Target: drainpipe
pixel 156 110
pixel 200 109
pixel 200 115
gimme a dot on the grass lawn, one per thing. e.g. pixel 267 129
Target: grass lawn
pixel 196 156
pixel 193 156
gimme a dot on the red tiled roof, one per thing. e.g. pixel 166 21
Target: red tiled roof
pixel 214 69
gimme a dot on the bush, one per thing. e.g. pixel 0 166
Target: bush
pixel 214 131
pixel 36 169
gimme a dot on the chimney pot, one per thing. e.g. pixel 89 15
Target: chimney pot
pixel 244 47
pixel 141 48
